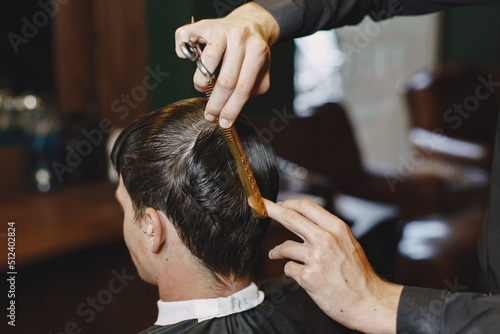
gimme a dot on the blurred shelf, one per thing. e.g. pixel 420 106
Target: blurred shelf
pixel 69 219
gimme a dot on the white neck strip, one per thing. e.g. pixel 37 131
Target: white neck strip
pixel 204 309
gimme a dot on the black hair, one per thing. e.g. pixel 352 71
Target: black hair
pixel 175 161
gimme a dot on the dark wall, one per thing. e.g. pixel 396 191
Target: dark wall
pixel 25 63
pixel 472 35
pixel 93 291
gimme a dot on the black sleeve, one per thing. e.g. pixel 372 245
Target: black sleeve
pixel 433 311
pixel 298 18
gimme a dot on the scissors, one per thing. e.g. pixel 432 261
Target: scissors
pixel 192 51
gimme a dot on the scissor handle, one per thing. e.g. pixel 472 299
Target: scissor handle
pixel 189 51
pixel 192 51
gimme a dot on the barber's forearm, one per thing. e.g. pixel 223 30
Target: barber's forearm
pixel 424 311
pixel 286 13
pixel 262 21
pixel 298 18
pixel 377 313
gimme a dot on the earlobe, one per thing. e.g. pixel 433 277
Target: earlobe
pixel 155 230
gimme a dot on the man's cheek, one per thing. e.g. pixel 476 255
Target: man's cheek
pixel 127 234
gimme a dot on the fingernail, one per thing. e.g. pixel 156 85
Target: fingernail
pixel 279 203
pixel 270 253
pixel 210 118
pixel 224 123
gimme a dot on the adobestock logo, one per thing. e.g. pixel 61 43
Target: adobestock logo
pixel 74 156
pixel 455 116
pixel 92 305
pixel 370 30
pixel 471 103
pixel 126 102
pixel 30 28
pixel 122 106
pixel 277 123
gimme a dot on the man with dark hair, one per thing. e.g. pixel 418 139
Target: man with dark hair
pixel 190 230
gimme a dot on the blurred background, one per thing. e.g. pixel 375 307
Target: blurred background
pixel 388 125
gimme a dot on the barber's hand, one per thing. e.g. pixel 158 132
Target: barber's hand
pixel 241 40
pixel 333 269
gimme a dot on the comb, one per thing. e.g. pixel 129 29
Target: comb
pixel 242 167
pixel 193 52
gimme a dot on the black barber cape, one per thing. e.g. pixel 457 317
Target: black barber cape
pixel 286 309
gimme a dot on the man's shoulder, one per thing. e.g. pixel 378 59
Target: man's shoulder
pixel 286 309
pixel 181 327
pixel 286 297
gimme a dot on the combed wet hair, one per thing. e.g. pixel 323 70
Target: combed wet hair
pixel 175 161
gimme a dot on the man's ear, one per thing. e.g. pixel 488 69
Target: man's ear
pixel 156 231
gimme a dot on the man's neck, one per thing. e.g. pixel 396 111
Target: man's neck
pixel 181 276
pixel 197 284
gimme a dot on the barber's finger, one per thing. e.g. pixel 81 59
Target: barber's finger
pixel 256 54
pixel 263 81
pixel 196 32
pixel 181 36
pixel 292 250
pixel 229 73
pixel 201 85
pixel 292 269
pixel 317 215
pixel 292 220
